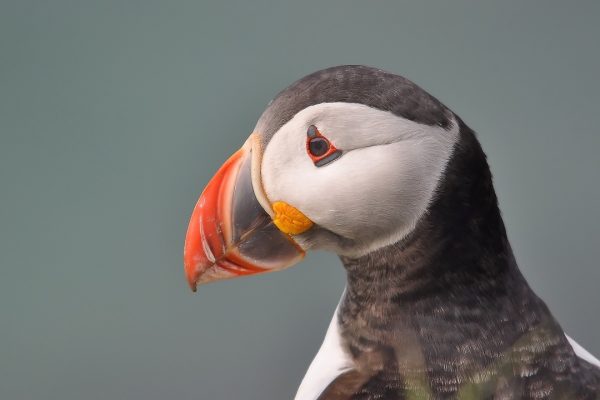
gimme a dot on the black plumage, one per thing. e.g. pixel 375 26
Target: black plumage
pixel 445 313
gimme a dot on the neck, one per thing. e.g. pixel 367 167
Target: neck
pixel 459 246
pixel 452 284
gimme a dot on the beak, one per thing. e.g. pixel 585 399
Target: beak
pixel 230 234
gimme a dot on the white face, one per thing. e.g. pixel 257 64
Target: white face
pixel 374 194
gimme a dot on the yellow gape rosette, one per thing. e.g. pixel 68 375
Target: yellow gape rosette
pixel 289 219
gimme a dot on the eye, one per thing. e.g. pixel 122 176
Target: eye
pixel 319 148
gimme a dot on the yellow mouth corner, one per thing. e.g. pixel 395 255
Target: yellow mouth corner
pixel 289 219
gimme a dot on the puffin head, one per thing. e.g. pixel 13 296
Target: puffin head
pixel 347 159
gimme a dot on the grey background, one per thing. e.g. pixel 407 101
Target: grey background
pixel 114 114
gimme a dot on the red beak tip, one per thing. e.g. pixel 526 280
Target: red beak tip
pixel 192 275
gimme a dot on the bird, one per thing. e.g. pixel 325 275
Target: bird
pixel 364 163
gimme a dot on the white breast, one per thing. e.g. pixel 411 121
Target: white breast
pixel 331 361
pixel 583 353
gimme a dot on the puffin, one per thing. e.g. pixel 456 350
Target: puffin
pixel 366 164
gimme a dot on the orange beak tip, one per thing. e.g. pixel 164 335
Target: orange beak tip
pixel 192 279
pixel 193 282
pixel 192 273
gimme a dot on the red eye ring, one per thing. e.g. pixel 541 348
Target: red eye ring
pixel 319 148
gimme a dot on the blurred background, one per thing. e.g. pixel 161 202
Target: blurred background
pixel 114 115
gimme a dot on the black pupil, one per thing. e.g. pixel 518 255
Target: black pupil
pixel 318 146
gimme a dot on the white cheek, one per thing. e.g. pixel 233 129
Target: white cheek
pixel 372 195
pixel 370 189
